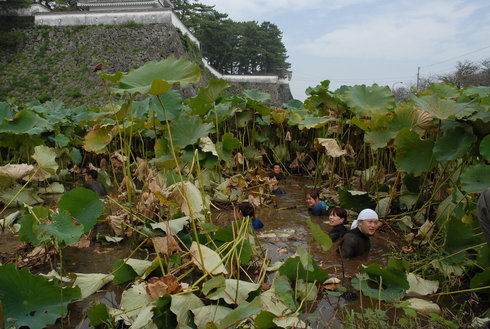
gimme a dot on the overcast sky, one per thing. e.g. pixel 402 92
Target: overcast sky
pixel 370 41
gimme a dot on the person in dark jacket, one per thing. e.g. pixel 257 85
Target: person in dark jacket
pixel 246 209
pixel 276 172
pixel 276 190
pixel 356 241
pixel 483 212
pixel 337 218
pixel 93 184
pixel 318 207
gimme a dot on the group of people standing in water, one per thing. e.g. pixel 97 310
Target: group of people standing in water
pixel 352 242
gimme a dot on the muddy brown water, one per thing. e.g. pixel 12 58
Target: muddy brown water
pixel 284 231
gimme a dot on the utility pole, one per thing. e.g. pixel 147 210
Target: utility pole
pixel 418 78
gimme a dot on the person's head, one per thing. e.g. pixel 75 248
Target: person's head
pixel 92 174
pixel 276 168
pixel 367 221
pixel 246 209
pixel 337 216
pixel 312 198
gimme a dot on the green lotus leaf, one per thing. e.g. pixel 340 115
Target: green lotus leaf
pixel 263 110
pixel 485 147
pixel 319 89
pixel 479 91
pixel 19 197
pixel 90 283
pixel 448 205
pixel 207 95
pixel 99 314
pixel 279 117
pixel 289 321
pixel 243 118
pixel 116 77
pixel 97 139
pixel 272 303
pixel 30 300
pixel 84 205
pixel 224 110
pixel 354 199
pixel 45 158
pixel 226 146
pixel 321 237
pixel 475 178
pixel 62 140
pixel 256 96
pixel 443 89
pixel 218 283
pixel 457 236
pixel 442 108
pixel 481 280
pixel 243 311
pixel 282 286
pixel 394 282
pixel 63 228
pixel 454 144
pixel 76 156
pixel 293 270
pixel 370 100
pixel 295 119
pixel 312 122
pixel 281 152
pixel 238 289
pixel 252 153
pixel 29 229
pixel 5 181
pixel 295 103
pixel 5 111
pixel 210 313
pixel 24 121
pixel 172 101
pixel 188 130
pixel 123 272
pixel 483 257
pixel 182 304
pixel 377 121
pixel 156 78
pixel 413 154
pixel 305 259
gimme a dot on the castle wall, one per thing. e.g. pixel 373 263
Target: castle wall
pixel 73 18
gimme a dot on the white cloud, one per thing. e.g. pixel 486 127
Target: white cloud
pixel 400 31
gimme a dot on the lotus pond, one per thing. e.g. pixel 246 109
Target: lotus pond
pixel 158 253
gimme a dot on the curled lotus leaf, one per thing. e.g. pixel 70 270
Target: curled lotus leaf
pixel 207 145
pixel 135 298
pixel 238 289
pixel 329 146
pixel 156 78
pixel 423 306
pixel 97 139
pixel 205 314
pixel 442 108
pixel 90 283
pixel 212 260
pixel 420 286
pixel 17 171
pixel 207 95
pixel 19 197
pixel 45 158
pixel 195 200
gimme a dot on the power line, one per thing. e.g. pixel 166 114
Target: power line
pixel 448 60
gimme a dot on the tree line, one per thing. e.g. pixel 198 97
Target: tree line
pixel 234 47
pixel 465 74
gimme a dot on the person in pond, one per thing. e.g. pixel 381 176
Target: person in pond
pixel 338 218
pixel 246 209
pixel 356 241
pixel 483 212
pixel 276 190
pixel 319 207
pixel 276 172
pixel 93 184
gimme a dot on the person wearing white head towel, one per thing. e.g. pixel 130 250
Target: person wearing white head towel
pixel 356 241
